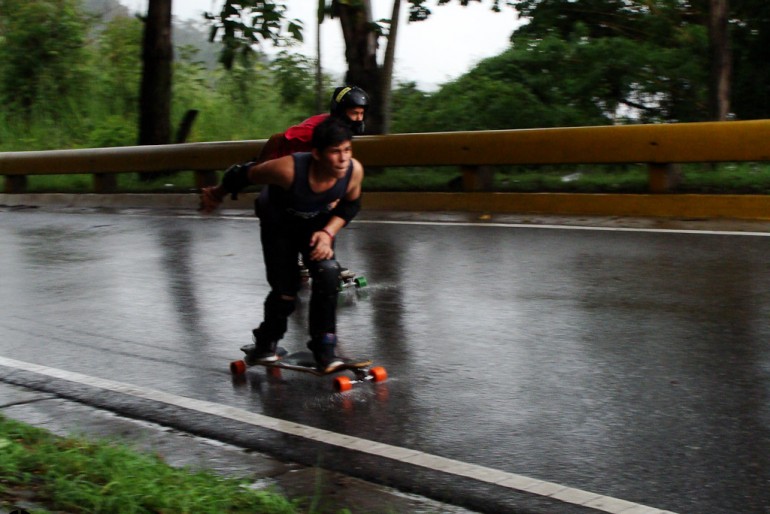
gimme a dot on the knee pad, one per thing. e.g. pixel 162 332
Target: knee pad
pixel 327 276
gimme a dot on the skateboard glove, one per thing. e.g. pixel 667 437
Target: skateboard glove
pixel 236 178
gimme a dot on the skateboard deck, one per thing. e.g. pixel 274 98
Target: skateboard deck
pixel 304 362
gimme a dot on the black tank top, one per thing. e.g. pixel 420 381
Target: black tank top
pixel 299 202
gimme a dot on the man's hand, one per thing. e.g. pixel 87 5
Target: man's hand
pixel 211 198
pixel 321 242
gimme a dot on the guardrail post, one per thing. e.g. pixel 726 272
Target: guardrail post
pixel 15 184
pixel 186 125
pixel 663 177
pixel 105 183
pixel 477 178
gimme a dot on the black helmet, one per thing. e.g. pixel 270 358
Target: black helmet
pixel 346 97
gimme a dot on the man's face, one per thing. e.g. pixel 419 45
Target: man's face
pixel 335 160
pixel 355 113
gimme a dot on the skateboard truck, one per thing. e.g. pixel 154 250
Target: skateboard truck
pixel 375 374
pixel 349 279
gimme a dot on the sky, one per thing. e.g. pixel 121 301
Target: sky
pixel 429 53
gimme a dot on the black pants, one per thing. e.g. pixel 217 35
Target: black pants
pixel 281 247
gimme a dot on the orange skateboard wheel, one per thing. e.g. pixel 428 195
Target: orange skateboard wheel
pixel 238 367
pixel 342 384
pixel 378 374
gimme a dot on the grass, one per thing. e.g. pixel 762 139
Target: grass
pixel 127 183
pixel 74 475
pixel 742 178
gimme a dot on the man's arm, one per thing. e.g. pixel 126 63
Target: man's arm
pixel 278 172
pixel 345 210
pixel 350 204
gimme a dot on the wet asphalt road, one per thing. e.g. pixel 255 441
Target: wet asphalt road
pixel 633 364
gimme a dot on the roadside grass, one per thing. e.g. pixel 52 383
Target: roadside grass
pixel 126 183
pixel 75 475
pixel 724 178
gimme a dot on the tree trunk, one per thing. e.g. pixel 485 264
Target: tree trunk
pixel 721 60
pixel 361 56
pixel 157 57
pixel 319 104
pixel 387 67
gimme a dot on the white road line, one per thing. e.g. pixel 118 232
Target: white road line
pixel 414 457
pixel 569 227
pixel 532 226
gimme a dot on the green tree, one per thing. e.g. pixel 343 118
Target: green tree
pixel 750 40
pixel 245 23
pixel 116 67
pixel 648 58
pixel 511 90
pixel 41 54
pixel 476 101
pixel 119 64
pixel 294 75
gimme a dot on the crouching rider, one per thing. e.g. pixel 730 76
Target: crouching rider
pixel 307 199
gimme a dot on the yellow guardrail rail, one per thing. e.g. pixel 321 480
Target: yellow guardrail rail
pixel 130 159
pixel 659 146
pixel 656 144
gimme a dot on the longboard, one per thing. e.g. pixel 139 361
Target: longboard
pixel 347 278
pixel 305 363
pixel 351 279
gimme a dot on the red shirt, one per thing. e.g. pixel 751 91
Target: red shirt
pixel 295 139
pixel 304 131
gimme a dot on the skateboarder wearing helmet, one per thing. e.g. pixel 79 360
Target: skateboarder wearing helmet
pixel 348 103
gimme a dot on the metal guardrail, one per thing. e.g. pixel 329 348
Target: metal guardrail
pixel 660 146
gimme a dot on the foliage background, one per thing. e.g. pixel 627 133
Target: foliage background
pixel 70 73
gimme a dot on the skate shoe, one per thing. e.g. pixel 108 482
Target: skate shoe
pixel 323 352
pixel 260 351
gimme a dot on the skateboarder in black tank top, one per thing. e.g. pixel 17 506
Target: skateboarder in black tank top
pixel 308 199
